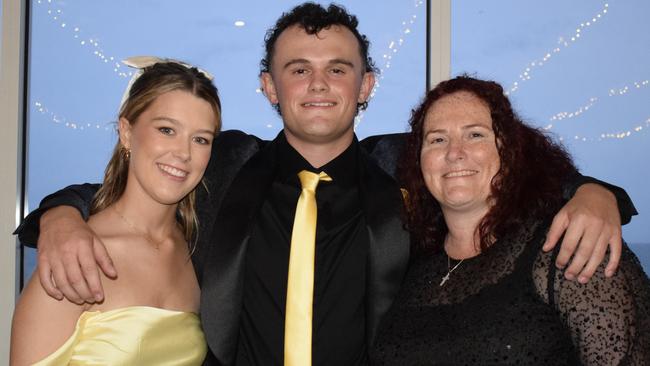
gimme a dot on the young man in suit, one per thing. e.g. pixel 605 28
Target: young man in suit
pixel 318 74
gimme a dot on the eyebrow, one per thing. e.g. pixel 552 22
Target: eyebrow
pixel 168 119
pixel 177 122
pixel 466 127
pixel 335 61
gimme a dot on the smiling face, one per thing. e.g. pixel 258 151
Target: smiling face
pixel 317 80
pixel 170 144
pixel 459 154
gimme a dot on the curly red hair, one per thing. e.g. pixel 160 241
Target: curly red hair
pixel 529 183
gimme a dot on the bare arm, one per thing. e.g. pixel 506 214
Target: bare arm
pixel 40 325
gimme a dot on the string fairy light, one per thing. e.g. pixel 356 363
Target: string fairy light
pixel 568 115
pixel 392 50
pixel 624 90
pixel 56 14
pixel 613 92
pixel 90 43
pixel 562 43
pixel 73 125
pixel 642 127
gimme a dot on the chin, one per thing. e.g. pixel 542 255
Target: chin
pixel 458 200
pixel 171 198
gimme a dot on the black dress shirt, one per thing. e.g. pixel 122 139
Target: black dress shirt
pixel 339 270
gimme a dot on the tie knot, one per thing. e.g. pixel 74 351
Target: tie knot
pixel 309 180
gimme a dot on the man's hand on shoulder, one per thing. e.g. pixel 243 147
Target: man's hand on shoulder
pixel 68 255
pixel 591 223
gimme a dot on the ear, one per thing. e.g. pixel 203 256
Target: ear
pixel 124 127
pixel 268 88
pixel 367 83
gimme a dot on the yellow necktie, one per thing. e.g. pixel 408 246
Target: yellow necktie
pixel 300 284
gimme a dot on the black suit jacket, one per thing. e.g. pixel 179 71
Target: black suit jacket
pixel 245 168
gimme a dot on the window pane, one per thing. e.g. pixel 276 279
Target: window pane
pixel 76 80
pixel 577 69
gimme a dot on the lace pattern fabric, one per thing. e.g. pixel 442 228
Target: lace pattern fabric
pixel 609 318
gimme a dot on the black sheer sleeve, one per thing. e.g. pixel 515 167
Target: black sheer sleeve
pixel 79 196
pixel 609 318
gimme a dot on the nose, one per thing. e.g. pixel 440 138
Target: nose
pixel 455 150
pixel 183 150
pixel 318 82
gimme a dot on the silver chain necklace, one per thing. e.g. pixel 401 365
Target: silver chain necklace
pixel 449 270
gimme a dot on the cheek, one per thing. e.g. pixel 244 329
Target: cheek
pixel 429 163
pixel 148 143
pixel 493 160
pixel 349 91
pixel 288 90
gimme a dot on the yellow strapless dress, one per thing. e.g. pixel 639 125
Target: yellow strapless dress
pixel 135 335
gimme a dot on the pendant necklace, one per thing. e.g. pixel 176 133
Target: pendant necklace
pixel 133 228
pixel 449 270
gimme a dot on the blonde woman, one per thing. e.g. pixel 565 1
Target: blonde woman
pixel 144 214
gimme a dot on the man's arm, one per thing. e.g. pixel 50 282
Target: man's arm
pixel 68 250
pixel 590 222
pixel 79 196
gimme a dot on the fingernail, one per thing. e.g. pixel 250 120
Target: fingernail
pixel 582 279
pixel 609 273
pixel 569 276
pixel 98 297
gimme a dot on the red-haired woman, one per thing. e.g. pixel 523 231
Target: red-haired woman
pixel 480 291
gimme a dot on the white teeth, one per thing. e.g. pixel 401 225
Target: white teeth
pixel 172 171
pixel 319 104
pixel 460 173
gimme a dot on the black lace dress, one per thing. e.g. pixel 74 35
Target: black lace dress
pixel 509 306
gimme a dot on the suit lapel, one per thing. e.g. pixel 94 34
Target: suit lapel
pixel 389 242
pixel 222 279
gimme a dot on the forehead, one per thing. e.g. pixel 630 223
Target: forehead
pixel 336 41
pixel 182 106
pixel 458 108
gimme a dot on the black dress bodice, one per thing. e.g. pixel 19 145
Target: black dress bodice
pixel 508 306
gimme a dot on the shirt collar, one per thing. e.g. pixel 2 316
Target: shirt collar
pixel 342 169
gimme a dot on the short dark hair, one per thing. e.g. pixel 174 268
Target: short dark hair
pixel 528 185
pixel 313 18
